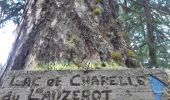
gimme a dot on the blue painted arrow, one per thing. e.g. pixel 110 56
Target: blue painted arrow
pixel 157 86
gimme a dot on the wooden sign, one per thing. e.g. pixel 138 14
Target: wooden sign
pixel 79 85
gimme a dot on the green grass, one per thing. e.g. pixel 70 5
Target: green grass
pixel 85 65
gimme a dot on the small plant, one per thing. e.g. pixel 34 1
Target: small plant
pixel 97 11
pixel 130 53
pixel 117 55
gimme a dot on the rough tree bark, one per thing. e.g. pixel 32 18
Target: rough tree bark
pixel 70 31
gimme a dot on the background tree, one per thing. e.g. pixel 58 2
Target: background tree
pixel 11 10
pixel 147 24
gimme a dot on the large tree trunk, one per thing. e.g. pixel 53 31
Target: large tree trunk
pixel 75 32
